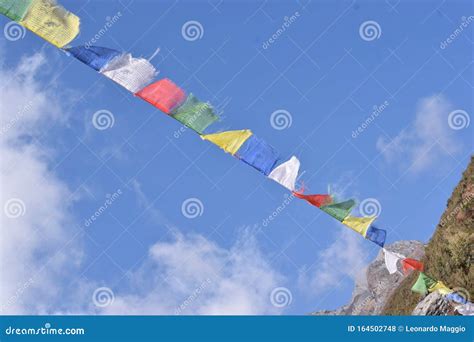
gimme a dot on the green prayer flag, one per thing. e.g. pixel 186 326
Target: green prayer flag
pixel 195 114
pixel 14 9
pixel 339 210
pixel 423 283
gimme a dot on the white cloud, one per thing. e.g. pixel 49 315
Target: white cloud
pixel 192 275
pixel 346 257
pixel 427 141
pixel 35 248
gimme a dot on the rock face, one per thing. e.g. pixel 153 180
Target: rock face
pixel 433 305
pixel 370 294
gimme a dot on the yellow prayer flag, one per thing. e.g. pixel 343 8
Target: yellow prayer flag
pixel 359 224
pixel 441 288
pixel 51 22
pixel 229 141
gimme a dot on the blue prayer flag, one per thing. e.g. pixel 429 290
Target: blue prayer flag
pixel 376 235
pixel 258 154
pixel 456 297
pixel 94 56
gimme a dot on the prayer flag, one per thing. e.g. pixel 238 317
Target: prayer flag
pixel 194 114
pixel 359 224
pixel 456 297
pixel 94 56
pixel 339 210
pixel 258 153
pixel 316 200
pixel 51 22
pixel 131 73
pixel 465 309
pixel 411 264
pixel 423 283
pixel 376 235
pixel 286 173
pixel 163 94
pixel 229 141
pixel 391 260
pixel 14 9
pixel 441 288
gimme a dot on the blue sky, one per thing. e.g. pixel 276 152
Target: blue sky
pixel 320 70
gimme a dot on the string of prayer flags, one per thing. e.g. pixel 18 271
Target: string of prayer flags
pixel 316 200
pixel 376 235
pixel 339 210
pixel 51 22
pixel 286 173
pixel 14 9
pixel 192 113
pixel 465 309
pixel 423 283
pixel 359 224
pixel 96 57
pixel 259 154
pixel 391 260
pixel 456 297
pixel 229 141
pixel 59 27
pixel 409 264
pixel 131 73
pixel 163 94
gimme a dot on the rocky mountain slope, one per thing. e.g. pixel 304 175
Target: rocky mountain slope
pixel 449 253
pixel 447 256
pixel 371 294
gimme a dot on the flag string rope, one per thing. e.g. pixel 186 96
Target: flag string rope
pixel 59 27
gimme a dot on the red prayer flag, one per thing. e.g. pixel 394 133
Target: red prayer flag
pixel 163 94
pixel 316 200
pixel 411 264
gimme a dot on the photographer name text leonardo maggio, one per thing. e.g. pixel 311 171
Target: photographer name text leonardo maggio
pixel 442 328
